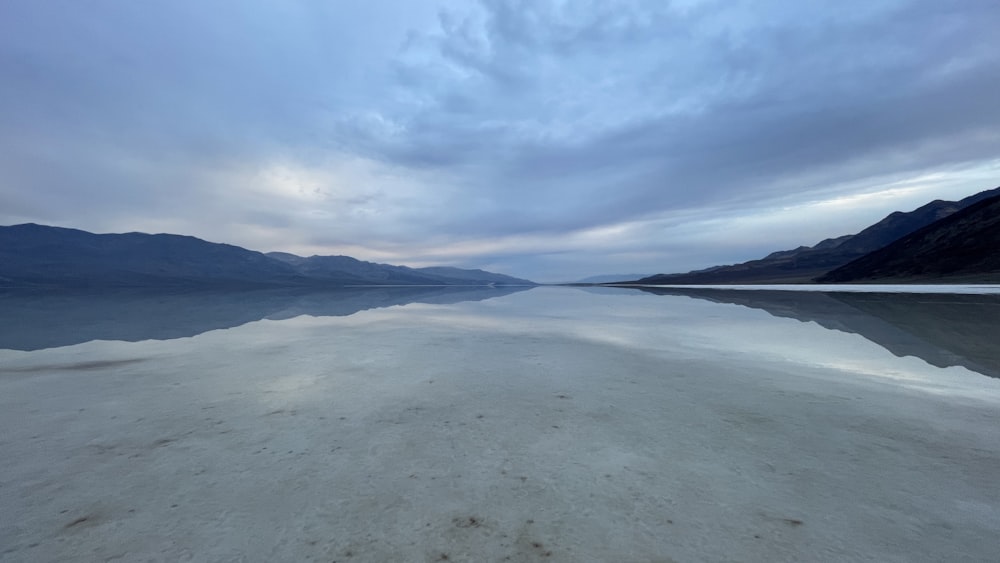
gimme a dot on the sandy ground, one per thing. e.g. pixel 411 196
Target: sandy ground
pixel 554 425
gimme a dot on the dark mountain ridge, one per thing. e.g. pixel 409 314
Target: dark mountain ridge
pixel 964 244
pixel 34 255
pixel 805 263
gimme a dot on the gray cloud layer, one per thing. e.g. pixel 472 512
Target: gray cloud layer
pixel 543 138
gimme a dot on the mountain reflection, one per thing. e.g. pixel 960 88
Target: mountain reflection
pixel 37 320
pixel 942 329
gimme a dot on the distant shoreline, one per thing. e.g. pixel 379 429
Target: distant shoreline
pixel 970 288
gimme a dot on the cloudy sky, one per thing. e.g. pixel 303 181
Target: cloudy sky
pixel 549 139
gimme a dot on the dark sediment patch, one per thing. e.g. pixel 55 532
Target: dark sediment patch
pixel 76 366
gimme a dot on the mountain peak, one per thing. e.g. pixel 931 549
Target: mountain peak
pixel 962 245
pixel 33 255
pixel 803 264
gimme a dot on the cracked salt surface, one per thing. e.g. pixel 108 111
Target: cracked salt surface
pixel 548 425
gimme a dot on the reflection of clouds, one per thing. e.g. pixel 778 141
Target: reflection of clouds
pixel 293 356
pixel 679 327
pixel 955 381
pixel 942 329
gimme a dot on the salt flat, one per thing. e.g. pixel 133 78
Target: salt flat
pixel 550 425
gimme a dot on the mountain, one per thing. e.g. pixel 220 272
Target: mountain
pixel 39 255
pixel 478 276
pixel 609 278
pixel 345 267
pixel 964 246
pixel 803 264
pixel 42 256
pixel 351 271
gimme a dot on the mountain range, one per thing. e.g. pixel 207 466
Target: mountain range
pixel 608 278
pixel 964 244
pixel 951 246
pixel 942 241
pixel 43 256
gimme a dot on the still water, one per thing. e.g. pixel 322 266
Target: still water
pixel 550 424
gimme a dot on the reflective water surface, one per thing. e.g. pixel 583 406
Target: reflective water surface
pixel 552 424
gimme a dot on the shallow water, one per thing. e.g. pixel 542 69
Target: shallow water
pixel 554 424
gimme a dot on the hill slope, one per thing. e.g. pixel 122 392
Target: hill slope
pixel 42 256
pixel 345 267
pixel 964 246
pixel 610 278
pixel 803 264
pixel 53 256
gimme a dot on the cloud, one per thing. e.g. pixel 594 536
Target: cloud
pixel 553 107
pixel 545 137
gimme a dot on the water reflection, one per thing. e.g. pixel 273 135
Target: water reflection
pixel 609 425
pixel 942 329
pixel 40 320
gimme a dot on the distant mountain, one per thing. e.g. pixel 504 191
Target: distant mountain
pixel 33 255
pixel 964 246
pixel 338 268
pixel 478 276
pixel 611 278
pixel 803 264
pixel 42 256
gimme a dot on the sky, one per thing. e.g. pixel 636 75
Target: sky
pixel 546 139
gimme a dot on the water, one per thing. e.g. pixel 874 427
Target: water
pixel 552 424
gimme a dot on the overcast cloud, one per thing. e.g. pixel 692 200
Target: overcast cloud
pixel 550 139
